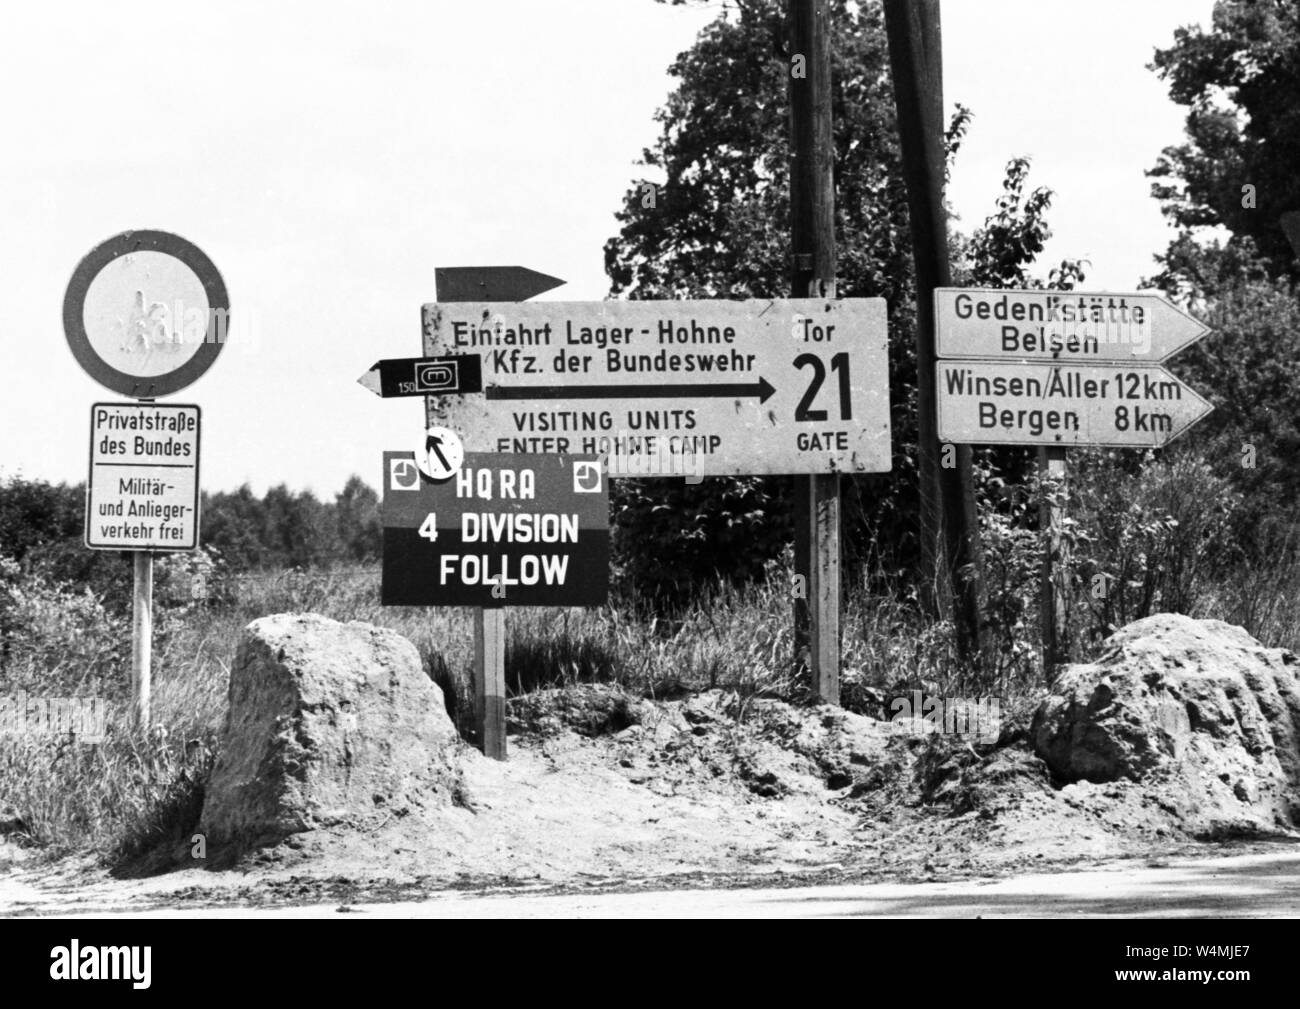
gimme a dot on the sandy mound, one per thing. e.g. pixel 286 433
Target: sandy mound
pixel 329 724
pixel 338 746
pixel 1195 710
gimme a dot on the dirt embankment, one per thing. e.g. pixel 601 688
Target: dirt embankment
pixel 1184 732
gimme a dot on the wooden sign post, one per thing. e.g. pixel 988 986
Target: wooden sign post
pixel 647 388
pixel 686 388
pixel 812 246
pixel 1052 599
pixel 490 679
pixel 508 284
pixel 503 530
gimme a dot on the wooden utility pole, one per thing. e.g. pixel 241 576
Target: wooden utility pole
pixel 812 234
pixel 949 523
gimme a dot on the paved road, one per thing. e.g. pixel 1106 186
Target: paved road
pixel 1260 885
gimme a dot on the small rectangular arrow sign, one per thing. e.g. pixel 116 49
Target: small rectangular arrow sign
pixel 425 376
pixel 1068 327
pixel 491 283
pixel 1009 403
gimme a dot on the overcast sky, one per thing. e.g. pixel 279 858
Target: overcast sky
pixel 327 156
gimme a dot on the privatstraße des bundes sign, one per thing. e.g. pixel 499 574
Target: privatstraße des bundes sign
pixel 1012 403
pixel 143 489
pixel 665 388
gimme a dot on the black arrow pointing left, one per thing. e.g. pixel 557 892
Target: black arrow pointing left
pixel 425 376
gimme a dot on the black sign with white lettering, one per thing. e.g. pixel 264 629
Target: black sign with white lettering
pixel 505 530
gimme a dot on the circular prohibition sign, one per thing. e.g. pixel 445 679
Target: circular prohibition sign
pixel 146 313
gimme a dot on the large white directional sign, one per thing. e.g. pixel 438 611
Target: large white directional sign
pixel 1061 368
pixel 669 388
pixel 982 402
pixel 1067 327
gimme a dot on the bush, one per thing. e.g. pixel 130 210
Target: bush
pixel 670 538
pixel 58 638
pixel 1156 538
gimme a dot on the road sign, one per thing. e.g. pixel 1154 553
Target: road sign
pixel 1068 327
pixel 1011 403
pixel 712 388
pixel 442 453
pixel 507 529
pixel 424 376
pixel 491 283
pixel 146 313
pixel 143 490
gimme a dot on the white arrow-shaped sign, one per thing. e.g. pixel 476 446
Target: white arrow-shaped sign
pixel 1068 327
pixel 1006 403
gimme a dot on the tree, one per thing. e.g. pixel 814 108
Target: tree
pixel 1251 365
pixel 360 530
pixel 1237 169
pixel 301 532
pixel 999 254
pixel 34 513
pixel 235 524
pixel 716 225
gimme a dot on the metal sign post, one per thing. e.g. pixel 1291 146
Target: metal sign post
pixel 145 314
pixel 142 635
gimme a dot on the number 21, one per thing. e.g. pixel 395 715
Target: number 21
pixel 839 363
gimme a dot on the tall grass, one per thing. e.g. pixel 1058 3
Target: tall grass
pixel 1263 598
pixel 136 790
pixel 116 798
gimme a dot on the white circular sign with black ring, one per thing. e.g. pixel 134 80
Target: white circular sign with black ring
pixel 146 313
pixel 442 453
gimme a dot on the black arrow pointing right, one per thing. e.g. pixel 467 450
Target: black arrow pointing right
pixel 720 390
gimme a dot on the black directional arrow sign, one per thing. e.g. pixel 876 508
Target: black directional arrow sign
pixel 434 444
pixel 454 374
pixel 425 376
pixel 491 283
